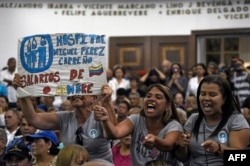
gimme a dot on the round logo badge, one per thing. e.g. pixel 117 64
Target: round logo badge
pixel 222 136
pixel 93 133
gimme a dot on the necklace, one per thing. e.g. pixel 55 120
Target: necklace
pixel 204 139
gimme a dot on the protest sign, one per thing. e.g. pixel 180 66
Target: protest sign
pixel 61 64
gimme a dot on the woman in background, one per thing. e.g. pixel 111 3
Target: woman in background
pixel 72 155
pixel 121 152
pixel 44 148
pixel 154 76
pixel 118 81
pixel 201 71
pixel 177 81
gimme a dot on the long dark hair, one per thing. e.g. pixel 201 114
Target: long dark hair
pixel 169 115
pixel 180 68
pixel 204 68
pixel 228 108
pixel 53 150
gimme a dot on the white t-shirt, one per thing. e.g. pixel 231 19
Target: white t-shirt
pixel 5 74
pixel 114 86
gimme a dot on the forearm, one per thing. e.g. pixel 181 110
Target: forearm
pixel 27 108
pixel 222 148
pixel 111 111
pixel 162 76
pixel 170 83
pixel 143 78
pixel 110 129
pixel 163 144
pixel 179 86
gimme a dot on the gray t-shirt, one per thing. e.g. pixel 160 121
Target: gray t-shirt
pixel 94 140
pixel 199 156
pixel 140 155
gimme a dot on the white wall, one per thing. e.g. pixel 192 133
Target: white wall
pixel 18 22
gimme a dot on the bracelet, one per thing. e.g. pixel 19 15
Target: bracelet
pixel 219 150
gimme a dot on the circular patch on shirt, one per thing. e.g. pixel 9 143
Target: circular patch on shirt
pixel 222 136
pixel 93 133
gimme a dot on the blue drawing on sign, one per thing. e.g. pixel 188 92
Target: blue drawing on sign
pixel 36 53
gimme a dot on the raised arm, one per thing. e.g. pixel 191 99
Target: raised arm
pixel 144 77
pixel 120 130
pixel 161 74
pixel 44 121
pixel 107 103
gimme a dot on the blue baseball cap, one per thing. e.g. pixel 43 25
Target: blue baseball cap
pixel 50 135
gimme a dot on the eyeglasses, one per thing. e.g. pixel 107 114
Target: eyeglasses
pixel 79 137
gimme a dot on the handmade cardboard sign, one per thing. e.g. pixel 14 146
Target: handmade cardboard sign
pixel 62 64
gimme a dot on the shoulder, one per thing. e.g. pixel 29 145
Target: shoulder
pixel 237 121
pixel 135 118
pixel 125 81
pixel 112 80
pixel 191 121
pixel 174 126
pixel 236 115
pixel 193 116
pixel 193 79
pixel 65 114
pixel 3 71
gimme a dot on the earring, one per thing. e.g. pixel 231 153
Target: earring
pixel 48 151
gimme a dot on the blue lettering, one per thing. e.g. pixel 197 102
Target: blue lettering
pixel 55 51
pixel 65 51
pixel 77 37
pixel 71 40
pixel 78 88
pixel 83 39
pixel 92 38
pixel 60 61
pixel 90 59
pixel 59 40
pixel 84 60
pixel 83 49
pixel 101 53
pixel 70 89
pixel 76 60
pixel 65 39
pixel 100 39
pixel 70 60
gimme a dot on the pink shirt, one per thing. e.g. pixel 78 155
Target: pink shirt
pixel 118 159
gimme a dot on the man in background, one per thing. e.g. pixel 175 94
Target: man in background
pixel 6 77
pixel 240 80
pixel 18 155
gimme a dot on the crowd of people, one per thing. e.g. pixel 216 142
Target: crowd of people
pixel 166 116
